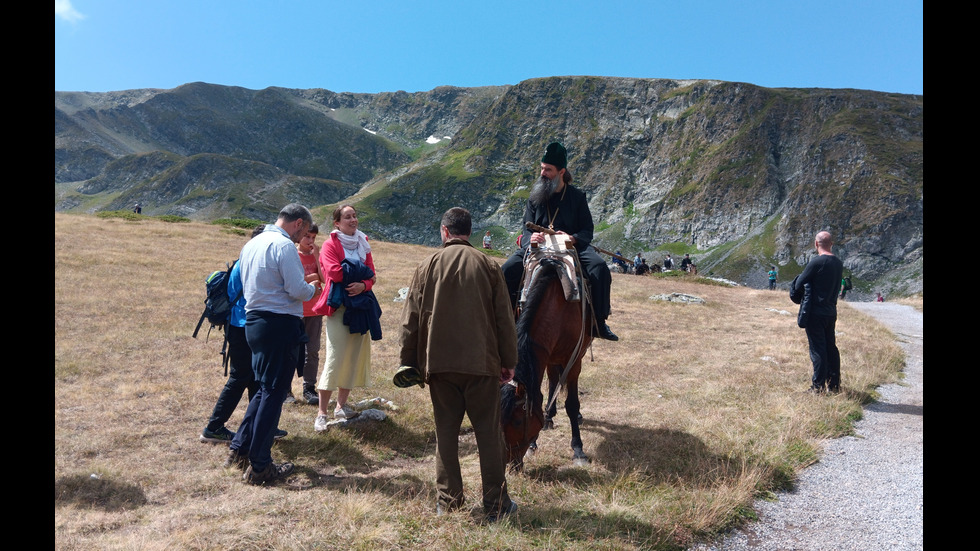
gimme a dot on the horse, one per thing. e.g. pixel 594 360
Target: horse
pixel 552 336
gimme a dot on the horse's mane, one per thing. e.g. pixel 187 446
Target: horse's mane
pixel 526 372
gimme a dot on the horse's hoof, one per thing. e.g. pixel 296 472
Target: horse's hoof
pixel 548 425
pixel 581 461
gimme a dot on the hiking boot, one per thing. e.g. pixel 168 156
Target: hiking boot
pixel 220 436
pixel 290 399
pixel 279 434
pixel 271 473
pixel 495 515
pixel 320 423
pixel 604 332
pixel 345 412
pixel 311 396
pixel 237 460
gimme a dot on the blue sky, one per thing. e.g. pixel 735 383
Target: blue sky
pixel 386 46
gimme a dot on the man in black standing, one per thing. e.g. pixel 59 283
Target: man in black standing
pixel 555 204
pixel 820 285
pixel 275 288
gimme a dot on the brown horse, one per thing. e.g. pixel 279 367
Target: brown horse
pixel 552 333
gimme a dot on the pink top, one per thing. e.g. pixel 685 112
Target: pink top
pixel 331 255
pixel 310 267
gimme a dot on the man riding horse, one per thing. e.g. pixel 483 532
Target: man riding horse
pixel 555 204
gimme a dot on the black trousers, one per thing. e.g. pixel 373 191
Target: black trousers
pixel 823 351
pixel 240 378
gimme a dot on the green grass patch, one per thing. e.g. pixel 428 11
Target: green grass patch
pixel 245 223
pixel 131 216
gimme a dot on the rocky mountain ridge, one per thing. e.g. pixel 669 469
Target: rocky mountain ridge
pixel 738 175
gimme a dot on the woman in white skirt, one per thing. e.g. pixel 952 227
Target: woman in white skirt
pixel 348 355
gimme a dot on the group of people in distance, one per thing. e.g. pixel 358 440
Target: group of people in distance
pixel 639 264
pixel 293 292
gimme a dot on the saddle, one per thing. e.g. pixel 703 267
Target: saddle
pixel 554 248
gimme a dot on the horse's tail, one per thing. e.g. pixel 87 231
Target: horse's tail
pixel 526 372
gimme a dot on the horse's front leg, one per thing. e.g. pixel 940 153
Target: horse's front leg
pixel 572 407
pixel 549 415
pixel 531 450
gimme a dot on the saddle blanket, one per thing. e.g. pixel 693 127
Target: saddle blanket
pixel 556 248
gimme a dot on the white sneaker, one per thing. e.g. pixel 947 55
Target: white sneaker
pixel 320 424
pixel 345 412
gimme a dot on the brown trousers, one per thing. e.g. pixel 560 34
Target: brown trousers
pixel 454 394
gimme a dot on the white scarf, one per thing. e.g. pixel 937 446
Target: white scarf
pixel 357 242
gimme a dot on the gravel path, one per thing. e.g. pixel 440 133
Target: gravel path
pixel 865 493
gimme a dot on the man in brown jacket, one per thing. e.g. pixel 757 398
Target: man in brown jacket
pixel 458 330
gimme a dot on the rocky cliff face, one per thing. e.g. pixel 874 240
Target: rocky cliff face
pixel 736 175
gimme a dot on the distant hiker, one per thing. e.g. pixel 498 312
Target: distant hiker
pixel 643 268
pixel 487 240
pixel 617 260
pixel 819 285
pixel 458 330
pixel 668 263
pixel 686 263
pixel 275 289
pixel 556 205
pixel 880 298
pixel 772 278
pixel 138 209
pixel 309 254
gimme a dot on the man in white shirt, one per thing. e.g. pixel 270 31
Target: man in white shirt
pixel 275 289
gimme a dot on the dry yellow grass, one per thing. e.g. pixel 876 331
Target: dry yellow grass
pixel 697 410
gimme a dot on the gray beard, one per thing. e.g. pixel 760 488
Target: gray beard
pixel 543 190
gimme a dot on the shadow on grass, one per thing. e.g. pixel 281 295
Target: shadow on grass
pixel 365 457
pixel 395 485
pixel 97 492
pixel 587 527
pixel 660 457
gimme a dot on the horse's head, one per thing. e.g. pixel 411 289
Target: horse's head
pixel 521 421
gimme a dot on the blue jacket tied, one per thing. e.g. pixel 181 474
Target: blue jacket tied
pixel 362 312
